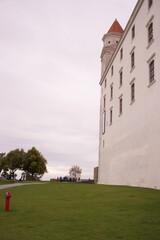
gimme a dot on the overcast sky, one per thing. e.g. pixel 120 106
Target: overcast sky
pixel 49 77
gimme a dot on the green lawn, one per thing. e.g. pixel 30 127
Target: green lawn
pixel 2 182
pixel 67 211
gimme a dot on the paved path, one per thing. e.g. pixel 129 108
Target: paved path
pixel 18 184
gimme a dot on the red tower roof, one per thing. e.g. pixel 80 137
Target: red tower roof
pixel 116 27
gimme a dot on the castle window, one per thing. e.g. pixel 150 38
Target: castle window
pixel 121 53
pixel 105 83
pixel 132 53
pixel 111 92
pixel 120 105
pixel 104 102
pixel 111 115
pixel 132 84
pixel 150 2
pixel 132 92
pixel 150 32
pixel 132 60
pixel 120 78
pixel 151 71
pixel 133 32
pixel 151 66
pixel 149 27
pixel 112 70
pixel 103 122
pixel 116 41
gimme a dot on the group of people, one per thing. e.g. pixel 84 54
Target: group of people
pixel 67 179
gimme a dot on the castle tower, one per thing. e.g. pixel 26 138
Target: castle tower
pixel 110 42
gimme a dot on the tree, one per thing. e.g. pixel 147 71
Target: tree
pixel 1 161
pixel 13 161
pixel 75 169
pixel 34 164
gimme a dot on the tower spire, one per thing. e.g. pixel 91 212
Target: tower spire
pixel 110 41
pixel 116 27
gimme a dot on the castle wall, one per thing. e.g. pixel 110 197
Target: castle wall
pixel 130 147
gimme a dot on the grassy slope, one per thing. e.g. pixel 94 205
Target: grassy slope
pixel 63 211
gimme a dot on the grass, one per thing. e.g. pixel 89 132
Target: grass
pixel 66 211
pixel 2 182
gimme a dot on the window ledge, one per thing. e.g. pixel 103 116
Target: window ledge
pixel 110 124
pixel 150 43
pixel 111 99
pixel 120 86
pixel 120 114
pixel 151 83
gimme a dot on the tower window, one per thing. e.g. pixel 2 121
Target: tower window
pixel 112 70
pixel 121 53
pixel 150 32
pixel 133 31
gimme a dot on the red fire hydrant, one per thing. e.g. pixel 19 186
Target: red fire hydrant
pixel 7 202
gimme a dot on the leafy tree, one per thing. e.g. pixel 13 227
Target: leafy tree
pixel 34 164
pixel 13 161
pixel 75 169
pixel 1 161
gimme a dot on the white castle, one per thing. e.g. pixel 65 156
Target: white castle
pixel 129 147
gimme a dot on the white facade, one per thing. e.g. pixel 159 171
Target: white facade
pixel 75 175
pixel 129 148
